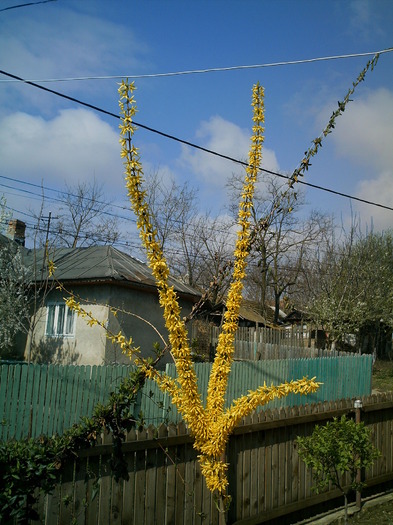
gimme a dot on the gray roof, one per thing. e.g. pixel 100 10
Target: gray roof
pixel 97 264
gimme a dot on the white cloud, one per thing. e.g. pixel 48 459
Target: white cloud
pixel 74 146
pixel 224 137
pixel 365 130
pixel 378 190
pixel 364 136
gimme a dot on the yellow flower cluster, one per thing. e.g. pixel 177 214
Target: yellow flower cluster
pixel 215 473
pixel 212 425
pixel 225 348
pixel 190 398
pixel 51 268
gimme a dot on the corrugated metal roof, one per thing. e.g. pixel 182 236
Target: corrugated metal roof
pixel 98 263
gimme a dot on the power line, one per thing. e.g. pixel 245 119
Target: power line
pixel 192 145
pixel 206 70
pixel 37 196
pixel 196 256
pixel 57 199
pixel 26 5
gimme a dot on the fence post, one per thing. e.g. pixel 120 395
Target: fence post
pixel 358 405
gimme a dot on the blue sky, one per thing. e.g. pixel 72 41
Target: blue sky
pixel 46 139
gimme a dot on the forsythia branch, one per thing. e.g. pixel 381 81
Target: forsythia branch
pixel 212 425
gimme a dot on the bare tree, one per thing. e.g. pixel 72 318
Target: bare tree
pixel 208 258
pixel 280 242
pixel 84 217
pixel 195 244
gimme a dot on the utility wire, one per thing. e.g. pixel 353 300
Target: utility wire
pixel 26 5
pixel 207 70
pixel 173 251
pixel 58 199
pixel 38 196
pixel 192 145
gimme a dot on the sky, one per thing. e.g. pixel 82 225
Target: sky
pixel 47 141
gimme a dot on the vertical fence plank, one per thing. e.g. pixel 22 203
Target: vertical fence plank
pixel 104 515
pixel 61 414
pixel 66 507
pixel 140 481
pixel 160 493
pixel 268 465
pixel 275 465
pixel 56 394
pixel 23 404
pixel 181 488
pixel 171 479
pixel 81 387
pixel 92 490
pixel 129 485
pixel 190 460
pixel 254 481
pixel 52 506
pixel 36 403
pixel 116 509
pixel 80 490
pixel 14 391
pixel 4 424
pixel 150 496
pixel 198 494
pixel 51 393
pixel 294 458
pixel 261 440
pixel 282 486
pixel 246 472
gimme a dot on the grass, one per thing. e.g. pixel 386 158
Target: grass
pixel 382 379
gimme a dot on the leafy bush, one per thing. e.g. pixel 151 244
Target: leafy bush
pixel 341 446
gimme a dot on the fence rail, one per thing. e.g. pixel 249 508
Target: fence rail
pixel 266 477
pixel 46 399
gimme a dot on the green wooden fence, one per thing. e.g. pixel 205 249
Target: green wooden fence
pixel 46 399
pixel 343 377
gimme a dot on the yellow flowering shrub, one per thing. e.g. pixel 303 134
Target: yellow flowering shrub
pixel 212 424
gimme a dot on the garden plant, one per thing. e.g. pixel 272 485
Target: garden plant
pixel 341 446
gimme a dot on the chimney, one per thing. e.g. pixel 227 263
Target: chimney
pixel 16 231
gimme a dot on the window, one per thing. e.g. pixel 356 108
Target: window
pixel 60 321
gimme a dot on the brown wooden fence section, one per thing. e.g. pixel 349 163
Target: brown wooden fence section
pixel 261 343
pixel 267 478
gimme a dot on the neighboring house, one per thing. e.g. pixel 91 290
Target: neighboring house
pixel 101 277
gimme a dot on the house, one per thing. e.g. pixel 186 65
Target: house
pixel 102 278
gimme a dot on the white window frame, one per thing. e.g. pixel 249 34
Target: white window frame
pixel 60 321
